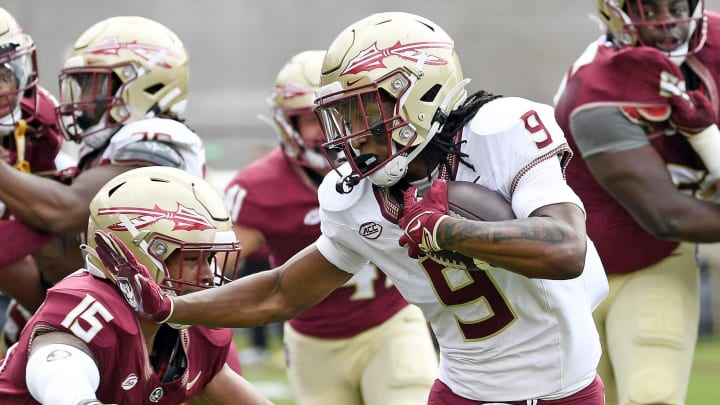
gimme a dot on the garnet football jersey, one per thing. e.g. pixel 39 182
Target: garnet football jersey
pixel 91 309
pixel 628 79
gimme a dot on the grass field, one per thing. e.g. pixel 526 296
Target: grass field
pixel 705 379
pixel 704 383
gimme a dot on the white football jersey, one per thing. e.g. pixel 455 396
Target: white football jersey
pixel 186 142
pixel 503 336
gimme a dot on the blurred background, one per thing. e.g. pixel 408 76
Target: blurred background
pixel 510 47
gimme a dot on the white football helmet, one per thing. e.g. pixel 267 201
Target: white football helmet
pixel 18 72
pixel 623 18
pixel 400 57
pixel 121 69
pixel 158 211
pixel 293 95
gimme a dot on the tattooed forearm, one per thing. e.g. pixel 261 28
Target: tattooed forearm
pixel 550 244
pixel 458 232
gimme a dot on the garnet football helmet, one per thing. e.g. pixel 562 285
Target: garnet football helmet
pixel 158 211
pixel 293 96
pixel 121 69
pixel 622 18
pixel 391 75
pixel 18 72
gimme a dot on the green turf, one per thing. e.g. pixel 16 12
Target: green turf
pixel 704 386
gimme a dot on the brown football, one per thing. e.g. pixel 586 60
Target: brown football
pixel 472 201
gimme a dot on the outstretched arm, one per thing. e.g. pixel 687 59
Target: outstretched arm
pixel 265 297
pixel 269 296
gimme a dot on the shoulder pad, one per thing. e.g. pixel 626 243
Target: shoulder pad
pixel 158 129
pixel 155 153
pixel 504 113
pixel 630 76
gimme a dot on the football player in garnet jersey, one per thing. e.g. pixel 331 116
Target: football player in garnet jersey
pixel 515 329
pixel 85 345
pixel 640 111
pixel 122 95
pixel 30 141
pixel 363 344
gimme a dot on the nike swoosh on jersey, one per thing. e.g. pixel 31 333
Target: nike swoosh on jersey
pixel 191 384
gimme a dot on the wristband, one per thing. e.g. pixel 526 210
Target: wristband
pixel 434 244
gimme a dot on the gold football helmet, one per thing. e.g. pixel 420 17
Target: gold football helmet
pixel 622 18
pixel 158 211
pixel 397 59
pixel 18 72
pixel 121 69
pixel 293 96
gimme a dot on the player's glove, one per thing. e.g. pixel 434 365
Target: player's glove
pixel 693 115
pixel 420 218
pixel 132 278
pixel 692 112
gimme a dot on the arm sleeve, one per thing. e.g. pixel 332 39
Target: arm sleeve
pixel 605 130
pixel 61 374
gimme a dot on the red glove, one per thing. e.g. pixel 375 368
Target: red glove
pixel 692 112
pixel 420 219
pixel 132 279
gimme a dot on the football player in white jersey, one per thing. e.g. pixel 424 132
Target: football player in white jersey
pixel 514 328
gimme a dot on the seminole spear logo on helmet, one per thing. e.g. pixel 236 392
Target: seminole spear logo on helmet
pixel 184 218
pixel 112 46
pixel 372 57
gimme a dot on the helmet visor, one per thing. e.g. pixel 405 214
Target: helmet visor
pixel 86 97
pixel 17 75
pixel 346 117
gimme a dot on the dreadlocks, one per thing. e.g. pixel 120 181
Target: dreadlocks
pixel 443 144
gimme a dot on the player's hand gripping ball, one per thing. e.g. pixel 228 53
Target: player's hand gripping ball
pixel 461 198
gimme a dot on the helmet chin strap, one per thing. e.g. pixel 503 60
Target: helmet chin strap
pixel 396 168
